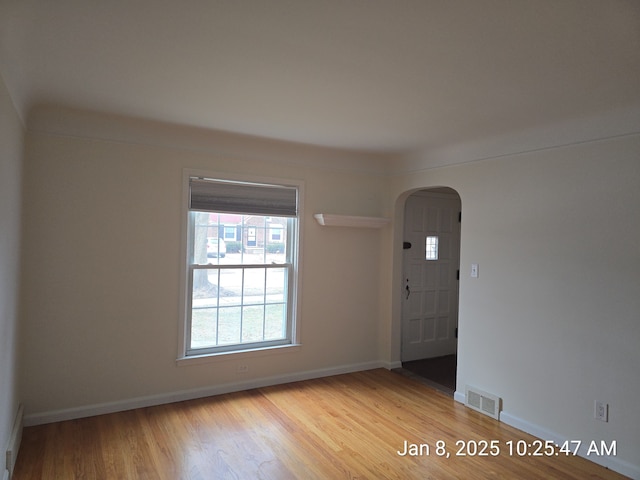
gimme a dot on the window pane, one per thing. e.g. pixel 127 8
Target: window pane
pixel 253 324
pixel 205 288
pixel 229 325
pixel 275 322
pixel 201 233
pixel 230 291
pixel 204 302
pixel 432 248
pixel 204 327
pixel 276 285
pixel 253 291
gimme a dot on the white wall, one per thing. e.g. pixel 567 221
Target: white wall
pixel 102 266
pixel 11 147
pixel 552 323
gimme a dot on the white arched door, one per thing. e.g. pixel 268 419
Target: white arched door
pixel 430 282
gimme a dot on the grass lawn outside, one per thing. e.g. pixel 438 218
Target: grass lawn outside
pixel 227 325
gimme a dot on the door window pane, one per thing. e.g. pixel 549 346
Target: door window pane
pixel 432 248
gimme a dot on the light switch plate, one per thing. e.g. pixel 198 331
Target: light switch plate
pixel 474 270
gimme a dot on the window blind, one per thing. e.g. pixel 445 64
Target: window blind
pixel 242 198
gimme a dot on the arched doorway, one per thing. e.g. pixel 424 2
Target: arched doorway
pixel 431 262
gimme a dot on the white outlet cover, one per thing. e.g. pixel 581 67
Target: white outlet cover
pixel 601 411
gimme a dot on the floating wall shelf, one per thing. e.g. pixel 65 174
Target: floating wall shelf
pixel 330 220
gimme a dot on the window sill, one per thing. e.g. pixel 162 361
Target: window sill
pixel 236 355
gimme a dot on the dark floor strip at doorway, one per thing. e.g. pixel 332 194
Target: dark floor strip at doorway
pixel 439 372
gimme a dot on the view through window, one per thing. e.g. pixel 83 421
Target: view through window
pixel 240 269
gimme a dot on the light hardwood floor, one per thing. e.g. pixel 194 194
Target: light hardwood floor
pixel 348 426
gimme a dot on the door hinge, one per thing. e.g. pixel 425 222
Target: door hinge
pixel 456 332
pixel 459 217
pixel 458 275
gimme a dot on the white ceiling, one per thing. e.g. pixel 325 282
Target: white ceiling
pixel 374 75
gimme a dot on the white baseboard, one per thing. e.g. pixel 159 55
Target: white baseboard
pixel 392 365
pixel 163 398
pixel 610 462
pixel 13 447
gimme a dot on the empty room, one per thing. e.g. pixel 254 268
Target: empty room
pixel 319 239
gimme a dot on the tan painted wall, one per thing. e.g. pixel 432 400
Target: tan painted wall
pixel 102 270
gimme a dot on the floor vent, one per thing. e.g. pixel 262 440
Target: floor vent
pixel 14 441
pixel 483 402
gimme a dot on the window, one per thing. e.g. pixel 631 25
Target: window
pixel 243 299
pixel 230 233
pixel 276 233
pixel 432 248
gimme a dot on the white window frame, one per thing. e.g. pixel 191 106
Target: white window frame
pixel 293 303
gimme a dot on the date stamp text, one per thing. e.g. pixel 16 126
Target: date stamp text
pixel 511 448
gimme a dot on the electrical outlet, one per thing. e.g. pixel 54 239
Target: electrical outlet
pixel 242 369
pixel 601 411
